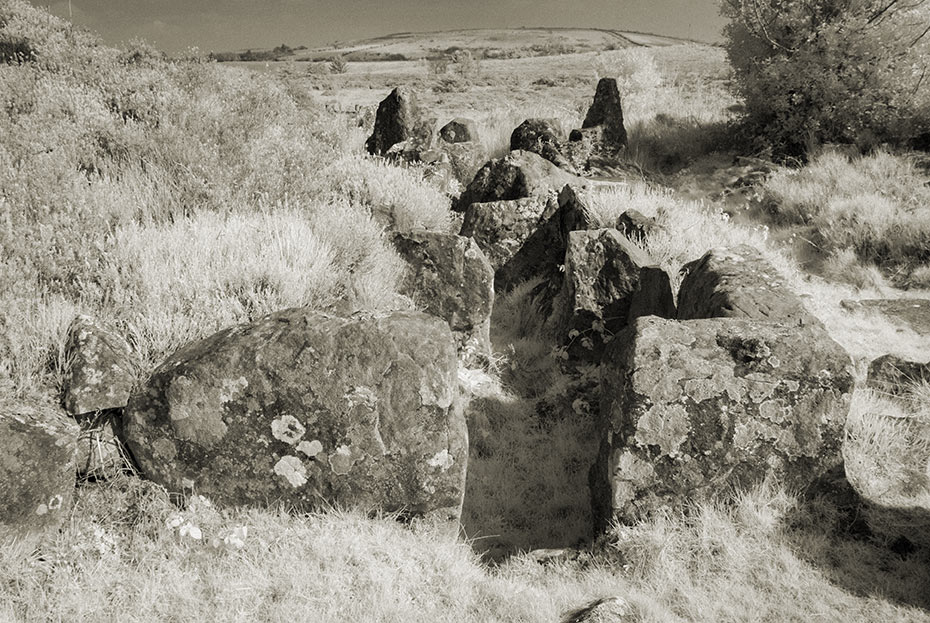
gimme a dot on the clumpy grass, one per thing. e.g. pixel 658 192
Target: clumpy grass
pixel 129 553
pixel 873 205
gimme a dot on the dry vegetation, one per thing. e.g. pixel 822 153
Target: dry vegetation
pixel 146 191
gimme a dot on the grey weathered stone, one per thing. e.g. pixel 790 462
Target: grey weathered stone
pixel 398 120
pixel 607 282
pixel 37 447
pixel 691 408
pixel 737 282
pixel 543 137
pixel 100 373
pixel 513 237
pixel 459 130
pixel 892 375
pixel 517 175
pixel 450 277
pixel 311 410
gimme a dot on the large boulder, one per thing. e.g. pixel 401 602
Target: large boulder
pixel 737 282
pixel 311 410
pixel 608 281
pixel 449 277
pixel 517 175
pixel 100 372
pixel 893 375
pixel 606 113
pixel 543 137
pixel 689 409
pixel 36 472
pixel 399 121
pixel 513 237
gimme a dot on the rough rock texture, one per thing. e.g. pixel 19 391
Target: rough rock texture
pixel 635 225
pixel 450 277
pixel 689 408
pixel 606 112
pixel 603 287
pixel 100 371
pixel 398 120
pixel 36 472
pixel 312 410
pixel 459 130
pixel 513 238
pixel 738 282
pixel 912 313
pixel 517 175
pixel 892 375
pixel 543 137
pixel 464 159
pixel 605 610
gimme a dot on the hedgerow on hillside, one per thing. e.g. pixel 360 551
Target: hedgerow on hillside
pixel 815 71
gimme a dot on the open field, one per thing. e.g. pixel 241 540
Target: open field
pixel 147 192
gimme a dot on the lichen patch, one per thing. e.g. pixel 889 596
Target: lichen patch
pixel 291 469
pixel 288 429
pixel 666 426
pixel 341 460
pixel 310 448
pixel 443 460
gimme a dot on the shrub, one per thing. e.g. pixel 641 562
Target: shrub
pixel 815 71
pixel 338 65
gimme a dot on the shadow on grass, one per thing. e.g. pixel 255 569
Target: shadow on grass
pixel 855 558
pixel 666 144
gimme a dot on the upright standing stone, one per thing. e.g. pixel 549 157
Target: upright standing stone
pixel 398 120
pixel 606 112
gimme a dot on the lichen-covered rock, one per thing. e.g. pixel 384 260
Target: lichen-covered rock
pixel 604 276
pixel 517 175
pixel 459 130
pixel 737 282
pixel 514 239
pixel 36 472
pixel 450 277
pixel 606 113
pixel 398 120
pixel 99 373
pixel 464 159
pixel 543 137
pixel 690 408
pixel 891 374
pixel 312 410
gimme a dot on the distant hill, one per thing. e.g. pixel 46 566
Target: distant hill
pixel 481 43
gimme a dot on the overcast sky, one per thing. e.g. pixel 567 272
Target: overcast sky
pixel 221 25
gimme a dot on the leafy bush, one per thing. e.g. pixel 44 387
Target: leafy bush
pixel 815 71
pixel 338 65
